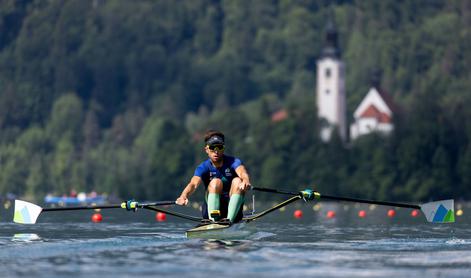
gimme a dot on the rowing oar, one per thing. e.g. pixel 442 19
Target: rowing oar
pixel 437 212
pixel 176 214
pixel 28 213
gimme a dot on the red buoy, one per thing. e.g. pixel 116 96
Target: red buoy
pixel 97 217
pixel 298 213
pixel 160 217
pixel 414 213
pixel 362 214
pixel 391 213
pixel 330 214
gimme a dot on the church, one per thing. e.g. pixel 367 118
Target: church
pixel 374 113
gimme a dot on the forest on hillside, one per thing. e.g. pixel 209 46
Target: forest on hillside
pixel 114 95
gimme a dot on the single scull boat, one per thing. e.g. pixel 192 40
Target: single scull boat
pixel 435 212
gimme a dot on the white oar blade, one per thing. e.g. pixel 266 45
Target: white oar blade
pixel 440 211
pixel 26 213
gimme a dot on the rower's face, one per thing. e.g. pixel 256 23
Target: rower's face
pixel 215 153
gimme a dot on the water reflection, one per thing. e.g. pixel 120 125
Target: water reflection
pixel 26 237
pixel 218 244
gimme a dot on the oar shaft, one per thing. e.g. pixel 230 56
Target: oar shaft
pixel 140 205
pixel 346 199
pixel 327 197
pixel 176 214
pixel 278 206
pixel 271 190
pixel 83 207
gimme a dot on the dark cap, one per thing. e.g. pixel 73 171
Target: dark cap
pixel 215 140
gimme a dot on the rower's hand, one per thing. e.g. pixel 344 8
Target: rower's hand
pixel 244 185
pixel 182 201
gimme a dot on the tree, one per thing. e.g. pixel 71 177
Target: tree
pixel 66 119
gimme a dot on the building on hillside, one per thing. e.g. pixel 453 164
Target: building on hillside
pixel 279 116
pixel 374 114
pixel 331 87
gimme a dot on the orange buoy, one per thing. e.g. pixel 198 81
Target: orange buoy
pixel 391 213
pixel 414 213
pixel 330 214
pixel 160 217
pixel 97 217
pixel 298 213
pixel 362 214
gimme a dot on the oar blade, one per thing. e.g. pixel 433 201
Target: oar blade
pixel 439 211
pixel 25 212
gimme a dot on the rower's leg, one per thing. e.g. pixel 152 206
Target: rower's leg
pixel 214 190
pixel 236 200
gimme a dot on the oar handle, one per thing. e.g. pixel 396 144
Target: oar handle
pixel 161 203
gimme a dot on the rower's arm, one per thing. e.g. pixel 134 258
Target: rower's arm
pixel 189 189
pixel 243 174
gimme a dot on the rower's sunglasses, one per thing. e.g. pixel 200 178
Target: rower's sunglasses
pixel 218 148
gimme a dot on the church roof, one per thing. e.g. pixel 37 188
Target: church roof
pixel 376 103
pixel 388 99
pixel 373 112
pixel 331 48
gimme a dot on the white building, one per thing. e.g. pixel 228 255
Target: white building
pixel 331 87
pixel 374 114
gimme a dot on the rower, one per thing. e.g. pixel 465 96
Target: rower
pixel 225 178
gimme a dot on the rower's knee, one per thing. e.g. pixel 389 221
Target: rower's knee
pixel 215 186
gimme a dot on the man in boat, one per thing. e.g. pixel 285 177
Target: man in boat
pixel 225 178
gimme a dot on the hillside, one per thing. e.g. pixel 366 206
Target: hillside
pixel 113 96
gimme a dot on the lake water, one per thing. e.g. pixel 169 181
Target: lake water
pixel 127 244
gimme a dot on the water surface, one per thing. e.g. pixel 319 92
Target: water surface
pixel 127 244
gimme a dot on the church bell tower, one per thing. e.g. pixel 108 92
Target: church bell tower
pixel 331 107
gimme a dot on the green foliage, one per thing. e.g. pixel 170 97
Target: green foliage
pixel 114 96
pixel 66 119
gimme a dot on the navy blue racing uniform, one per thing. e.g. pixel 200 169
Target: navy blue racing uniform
pixel 206 171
